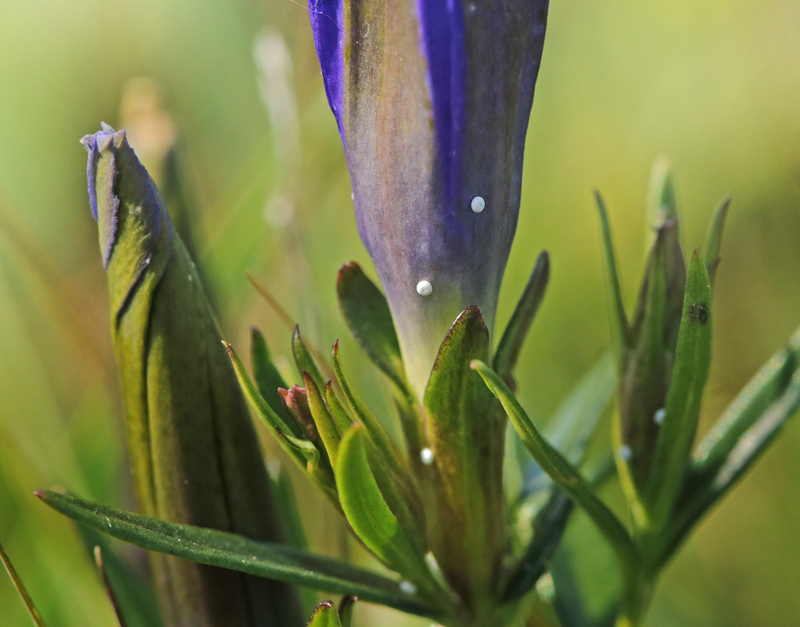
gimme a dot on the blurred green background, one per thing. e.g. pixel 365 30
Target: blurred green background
pixel 714 84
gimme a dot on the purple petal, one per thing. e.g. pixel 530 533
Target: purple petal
pixel 326 24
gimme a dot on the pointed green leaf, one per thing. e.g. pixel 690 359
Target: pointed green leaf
pixel 645 376
pixel 619 320
pixel 739 437
pixel 682 411
pixel 662 204
pixel 548 527
pixel 465 429
pixel 303 452
pixel 510 345
pixel 714 241
pixel 266 375
pixel 367 511
pixel 560 470
pixel 328 430
pixel 369 319
pixel 324 616
pixel 339 413
pixel 21 590
pixel 227 550
pixel 346 606
pixel 304 360
pixel 374 429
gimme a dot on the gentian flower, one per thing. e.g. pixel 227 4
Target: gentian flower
pixel 432 99
pixel 194 451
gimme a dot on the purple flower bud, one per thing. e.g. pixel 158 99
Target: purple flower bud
pixel 432 99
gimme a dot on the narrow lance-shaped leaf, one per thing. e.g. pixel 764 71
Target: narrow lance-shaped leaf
pixel 510 345
pixel 328 429
pixel 369 319
pixel 619 320
pixel 714 240
pixel 266 375
pixel 571 426
pixel 304 360
pixel 324 615
pixel 562 472
pixel 739 437
pixel 682 411
pixel 368 513
pixel 644 378
pixel 374 429
pixel 548 528
pixel 338 411
pixel 346 606
pixel 662 203
pixel 304 453
pixel 227 550
pixel 21 590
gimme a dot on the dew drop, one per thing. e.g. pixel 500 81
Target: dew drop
pixel 658 417
pixel 426 455
pixel 407 587
pixel 478 204
pixel 625 452
pixel 424 288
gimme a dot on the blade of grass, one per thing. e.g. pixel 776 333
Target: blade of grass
pixel 23 592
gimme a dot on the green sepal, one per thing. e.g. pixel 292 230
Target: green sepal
pixel 36 617
pixel 367 314
pixel 682 410
pixel 304 360
pixel 714 239
pixel 328 429
pixel 369 514
pixel 513 338
pixel 743 432
pixel 324 615
pixel 619 320
pixel 266 375
pixel 465 430
pixel 235 552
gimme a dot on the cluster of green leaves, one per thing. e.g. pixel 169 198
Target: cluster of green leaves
pixel 404 503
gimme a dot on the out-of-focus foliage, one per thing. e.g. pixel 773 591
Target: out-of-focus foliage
pixel 714 84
